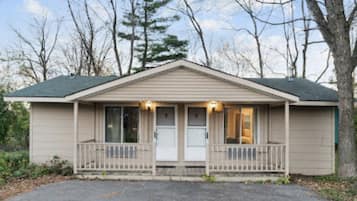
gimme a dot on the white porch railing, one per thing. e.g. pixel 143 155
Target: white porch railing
pixel 114 157
pixel 247 157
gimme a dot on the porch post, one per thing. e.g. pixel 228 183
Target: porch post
pixel 207 156
pixel 154 156
pixel 75 135
pixel 287 137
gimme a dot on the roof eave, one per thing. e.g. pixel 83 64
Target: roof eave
pixel 316 103
pixel 37 99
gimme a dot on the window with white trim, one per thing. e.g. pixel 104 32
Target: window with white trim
pixel 121 124
pixel 240 125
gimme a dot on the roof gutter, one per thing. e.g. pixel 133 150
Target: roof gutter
pixel 37 99
pixel 315 103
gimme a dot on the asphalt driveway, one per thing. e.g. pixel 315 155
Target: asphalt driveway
pixel 157 191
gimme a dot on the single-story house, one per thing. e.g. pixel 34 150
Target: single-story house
pixel 182 114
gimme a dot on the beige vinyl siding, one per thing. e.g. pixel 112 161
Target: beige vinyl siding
pixel 311 138
pixel 52 130
pixel 182 84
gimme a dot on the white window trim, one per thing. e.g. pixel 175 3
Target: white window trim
pixel 121 111
pixel 256 129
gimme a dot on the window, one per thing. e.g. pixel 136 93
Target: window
pixel 240 125
pixel 121 124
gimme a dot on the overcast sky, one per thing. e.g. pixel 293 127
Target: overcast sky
pixel 217 19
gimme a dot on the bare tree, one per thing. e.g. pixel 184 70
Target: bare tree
pixel 114 34
pixel 247 6
pixel 335 26
pixel 88 33
pixel 188 11
pixel 326 67
pixel 236 58
pixel 292 53
pixel 74 56
pixel 306 24
pixel 34 54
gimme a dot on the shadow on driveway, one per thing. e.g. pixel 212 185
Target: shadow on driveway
pixel 156 191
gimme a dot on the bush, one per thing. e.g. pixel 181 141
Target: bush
pixel 16 165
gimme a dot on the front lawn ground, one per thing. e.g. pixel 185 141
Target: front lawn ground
pixel 17 186
pixel 330 187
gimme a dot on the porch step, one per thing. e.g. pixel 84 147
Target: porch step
pixel 180 171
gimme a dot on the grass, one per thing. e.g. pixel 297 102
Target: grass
pixel 283 180
pixel 210 179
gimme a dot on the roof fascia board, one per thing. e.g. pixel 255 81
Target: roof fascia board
pixel 186 64
pixel 36 99
pixel 315 103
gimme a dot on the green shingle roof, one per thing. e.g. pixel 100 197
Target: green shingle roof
pixel 305 89
pixel 61 86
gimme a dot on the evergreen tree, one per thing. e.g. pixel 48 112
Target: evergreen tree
pixel 131 20
pixel 5 118
pixel 154 44
pixel 14 124
pixel 170 48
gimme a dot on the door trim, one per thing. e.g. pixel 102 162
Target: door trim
pixel 176 130
pixel 186 126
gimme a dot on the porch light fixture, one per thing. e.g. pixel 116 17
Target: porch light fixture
pixel 213 105
pixel 148 105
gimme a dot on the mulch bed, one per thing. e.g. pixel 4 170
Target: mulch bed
pixel 17 186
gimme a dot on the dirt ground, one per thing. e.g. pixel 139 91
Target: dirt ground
pixel 329 187
pixel 26 185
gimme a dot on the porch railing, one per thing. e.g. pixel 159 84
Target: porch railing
pixel 114 156
pixel 247 157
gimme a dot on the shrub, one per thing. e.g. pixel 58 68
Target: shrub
pixel 15 165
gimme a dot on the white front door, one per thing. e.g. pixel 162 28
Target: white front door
pixel 195 135
pixel 166 133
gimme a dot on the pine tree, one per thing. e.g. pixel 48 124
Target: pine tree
pixel 131 20
pixel 170 48
pixel 153 43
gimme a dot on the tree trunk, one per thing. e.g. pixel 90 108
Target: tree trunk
pixel 146 37
pixel 260 56
pixel 132 37
pixel 347 143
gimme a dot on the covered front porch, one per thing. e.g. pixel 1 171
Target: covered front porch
pixel 181 138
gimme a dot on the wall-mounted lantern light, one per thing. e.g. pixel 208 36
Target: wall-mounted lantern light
pixel 213 105
pixel 148 105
